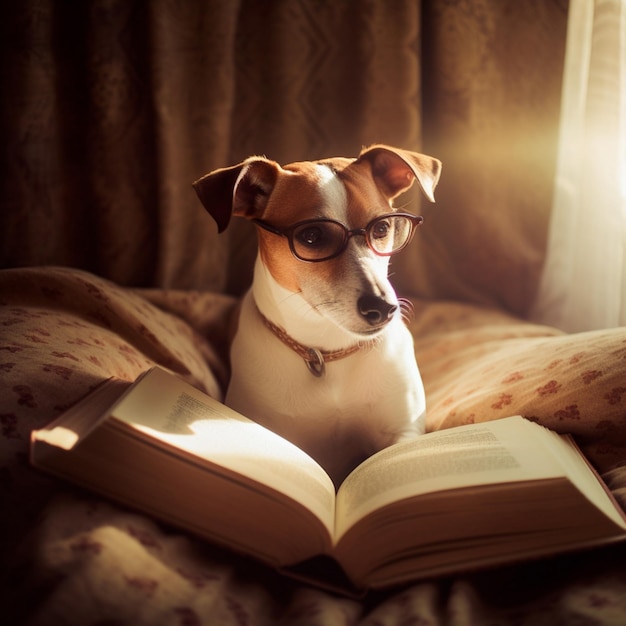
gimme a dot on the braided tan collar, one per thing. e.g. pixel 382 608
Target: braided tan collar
pixel 314 358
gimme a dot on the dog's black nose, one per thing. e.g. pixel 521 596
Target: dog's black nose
pixel 376 310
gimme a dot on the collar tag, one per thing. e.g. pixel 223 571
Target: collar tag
pixel 315 362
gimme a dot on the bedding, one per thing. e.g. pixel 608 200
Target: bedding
pixel 70 557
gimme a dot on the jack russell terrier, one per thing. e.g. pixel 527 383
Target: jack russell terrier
pixel 321 354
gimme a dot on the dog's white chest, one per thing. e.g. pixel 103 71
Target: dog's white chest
pixel 361 404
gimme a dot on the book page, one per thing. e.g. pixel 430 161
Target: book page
pixel 172 411
pixel 477 454
pixel 584 477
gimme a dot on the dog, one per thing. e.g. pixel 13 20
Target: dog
pixel 320 353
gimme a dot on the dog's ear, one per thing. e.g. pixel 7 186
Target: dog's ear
pixel 215 191
pixel 395 169
pixel 241 190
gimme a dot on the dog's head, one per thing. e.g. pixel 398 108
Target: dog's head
pixel 348 286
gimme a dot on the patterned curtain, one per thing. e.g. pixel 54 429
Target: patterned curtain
pixel 111 108
pixel 492 72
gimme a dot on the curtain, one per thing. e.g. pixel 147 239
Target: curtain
pixel 491 83
pixel 584 281
pixel 111 108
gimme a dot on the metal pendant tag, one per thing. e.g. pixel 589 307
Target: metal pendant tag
pixel 315 362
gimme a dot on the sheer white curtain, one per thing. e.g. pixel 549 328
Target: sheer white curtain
pixel 583 286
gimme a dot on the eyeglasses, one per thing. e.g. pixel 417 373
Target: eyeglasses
pixel 324 239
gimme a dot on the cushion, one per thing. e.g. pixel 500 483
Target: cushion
pixel 480 364
pixel 63 332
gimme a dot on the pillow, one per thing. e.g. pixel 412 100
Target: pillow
pixel 480 365
pixel 62 332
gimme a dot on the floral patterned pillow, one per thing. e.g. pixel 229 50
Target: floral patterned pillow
pixel 63 332
pixel 481 365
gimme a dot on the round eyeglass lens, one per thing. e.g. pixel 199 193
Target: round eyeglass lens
pixel 317 240
pixel 389 233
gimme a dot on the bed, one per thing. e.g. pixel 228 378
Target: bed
pixel 71 557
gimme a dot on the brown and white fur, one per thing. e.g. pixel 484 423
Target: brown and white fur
pixel 369 399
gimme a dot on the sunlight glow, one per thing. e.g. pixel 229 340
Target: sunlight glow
pixel 59 436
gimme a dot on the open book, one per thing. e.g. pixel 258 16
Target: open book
pixel 444 502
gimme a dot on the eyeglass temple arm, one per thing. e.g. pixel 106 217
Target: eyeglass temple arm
pixel 269 227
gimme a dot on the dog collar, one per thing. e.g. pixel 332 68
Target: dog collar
pixel 314 358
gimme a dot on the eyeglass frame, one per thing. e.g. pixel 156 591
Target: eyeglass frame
pixel 287 232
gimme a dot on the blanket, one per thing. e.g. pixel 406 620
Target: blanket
pixel 71 557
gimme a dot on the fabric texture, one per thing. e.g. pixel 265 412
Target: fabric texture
pixel 74 558
pixel 480 365
pixel 490 97
pixel 590 177
pixel 111 109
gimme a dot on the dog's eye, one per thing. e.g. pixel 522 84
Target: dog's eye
pixel 316 241
pixel 381 229
pixel 311 236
